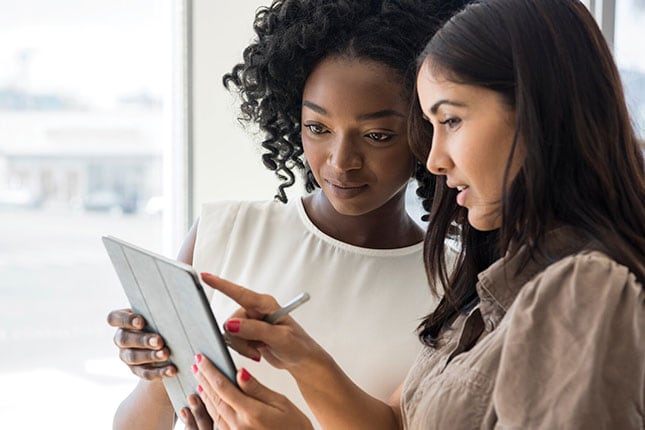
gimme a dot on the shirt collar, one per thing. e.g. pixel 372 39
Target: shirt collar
pixel 501 281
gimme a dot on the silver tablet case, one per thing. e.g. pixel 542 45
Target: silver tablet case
pixel 168 294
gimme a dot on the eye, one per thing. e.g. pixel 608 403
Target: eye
pixel 380 137
pixel 451 122
pixel 316 128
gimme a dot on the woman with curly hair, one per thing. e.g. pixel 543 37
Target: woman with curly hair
pixel 542 323
pixel 330 84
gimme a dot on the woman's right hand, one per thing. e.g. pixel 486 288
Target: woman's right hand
pixel 145 353
pixel 285 344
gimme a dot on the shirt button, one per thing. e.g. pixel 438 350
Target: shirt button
pixel 490 325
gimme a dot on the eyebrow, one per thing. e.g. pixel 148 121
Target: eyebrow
pixel 366 116
pixel 435 107
pixel 314 107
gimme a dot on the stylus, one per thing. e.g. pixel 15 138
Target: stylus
pixel 293 304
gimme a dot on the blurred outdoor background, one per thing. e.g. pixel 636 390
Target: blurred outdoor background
pixel 84 113
pixel 82 86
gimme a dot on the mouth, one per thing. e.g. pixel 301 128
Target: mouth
pixel 345 190
pixel 454 185
pixel 346 185
pixel 461 194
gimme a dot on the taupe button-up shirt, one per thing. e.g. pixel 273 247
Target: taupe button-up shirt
pixel 561 346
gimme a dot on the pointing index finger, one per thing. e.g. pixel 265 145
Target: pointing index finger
pixel 244 297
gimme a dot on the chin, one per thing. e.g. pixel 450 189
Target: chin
pixel 348 209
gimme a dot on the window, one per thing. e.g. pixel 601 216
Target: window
pixel 629 54
pixel 83 114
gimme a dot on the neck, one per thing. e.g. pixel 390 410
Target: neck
pixel 387 227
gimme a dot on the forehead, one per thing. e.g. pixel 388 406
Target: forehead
pixel 433 84
pixel 347 78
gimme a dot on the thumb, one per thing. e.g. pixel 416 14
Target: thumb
pixel 252 388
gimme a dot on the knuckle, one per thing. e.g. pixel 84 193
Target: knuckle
pixel 119 338
pixel 282 399
pixel 266 298
pixel 289 331
pixel 144 339
pixel 147 374
pixel 267 303
pixel 138 371
pixel 152 356
pixel 128 356
pixel 253 420
pixel 219 381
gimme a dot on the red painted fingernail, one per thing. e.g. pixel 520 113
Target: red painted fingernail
pixel 232 326
pixel 256 358
pixel 198 358
pixel 194 368
pixel 200 389
pixel 245 376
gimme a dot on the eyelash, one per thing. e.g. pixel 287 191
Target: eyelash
pixel 382 137
pixel 317 129
pixel 450 122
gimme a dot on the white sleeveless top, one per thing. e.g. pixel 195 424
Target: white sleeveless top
pixel 365 303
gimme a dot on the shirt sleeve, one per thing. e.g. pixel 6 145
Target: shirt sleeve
pixel 574 352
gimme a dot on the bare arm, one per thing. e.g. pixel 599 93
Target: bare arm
pixel 148 406
pixel 338 403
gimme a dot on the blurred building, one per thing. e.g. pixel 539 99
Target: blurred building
pixel 90 160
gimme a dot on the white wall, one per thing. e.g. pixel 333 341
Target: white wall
pixel 227 162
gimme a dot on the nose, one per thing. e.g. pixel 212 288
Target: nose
pixel 344 155
pixel 438 162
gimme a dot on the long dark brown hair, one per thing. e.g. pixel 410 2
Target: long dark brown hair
pixel 583 167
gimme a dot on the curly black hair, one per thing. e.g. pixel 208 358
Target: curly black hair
pixel 293 36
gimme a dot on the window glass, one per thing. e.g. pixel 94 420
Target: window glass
pixel 82 88
pixel 630 56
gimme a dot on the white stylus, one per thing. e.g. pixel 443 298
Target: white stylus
pixel 293 304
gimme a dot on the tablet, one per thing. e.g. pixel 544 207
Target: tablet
pixel 169 295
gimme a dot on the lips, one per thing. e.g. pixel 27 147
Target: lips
pixel 462 190
pixel 345 190
pixel 344 185
pixel 461 195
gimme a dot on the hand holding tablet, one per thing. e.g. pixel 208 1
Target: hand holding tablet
pixel 169 295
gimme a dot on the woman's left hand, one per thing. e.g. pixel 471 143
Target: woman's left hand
pixel 252 406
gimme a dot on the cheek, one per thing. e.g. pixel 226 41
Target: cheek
pixel 312 154
pixel 397 167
